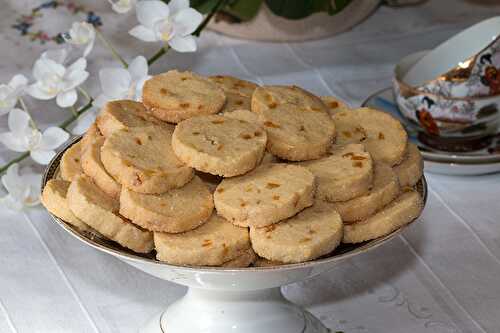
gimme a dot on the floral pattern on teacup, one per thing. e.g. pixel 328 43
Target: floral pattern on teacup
pixel 478 76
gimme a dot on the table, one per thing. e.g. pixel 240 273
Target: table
pixel 441 275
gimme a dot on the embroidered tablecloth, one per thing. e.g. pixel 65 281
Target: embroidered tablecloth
pixel 441 275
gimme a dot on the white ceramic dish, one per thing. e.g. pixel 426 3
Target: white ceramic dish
pixel 384 100
pixel 461 169
pixel 460 47
pixel 221 300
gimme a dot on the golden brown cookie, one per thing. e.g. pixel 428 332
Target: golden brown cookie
pixel 271 97
pixel 212 244
pixel 177 210
pixel 385 189
pixel 267 195
pixel 70 165
pixel 100 211
pixel 313 232
pixel 398 213
pixel 219 145
pixel 383 135
pixel 54 199
pixel 345 174
pixel 174 96
pixel 142 160
pixel 411 169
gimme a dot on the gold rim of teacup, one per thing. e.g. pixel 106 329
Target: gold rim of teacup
pixel 471 62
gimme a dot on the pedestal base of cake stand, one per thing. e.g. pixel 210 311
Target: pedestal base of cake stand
pixel 220 311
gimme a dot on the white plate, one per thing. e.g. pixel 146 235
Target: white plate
pixel 459 169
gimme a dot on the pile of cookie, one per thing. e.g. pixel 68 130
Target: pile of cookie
pixel 217 171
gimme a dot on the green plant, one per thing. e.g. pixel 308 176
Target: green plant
pixel 244 10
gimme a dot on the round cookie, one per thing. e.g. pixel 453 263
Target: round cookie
pixel 410 170
pixel 346 174
pixel 174 211
pixel 243 114
pixel 219 145
pixel 314 232
pixel 398 213
pixel 124 114
pixel 92 134
pixel 334 105
pixel 92 166
pixel 296 135
pixel 54 199
pixel 70 165
pixel 235 102
pixel 100 211
pixel 263 262
pixel 385 189
pixel 267 195
pixel 142 159
pixel 233 85
pixel 383 135
pixel 271 97
pixel 245 259
pixel 212 244
pixel 174 96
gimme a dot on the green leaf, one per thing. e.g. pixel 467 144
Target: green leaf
pixel 298 9
pixel 203 6
pixel 244 9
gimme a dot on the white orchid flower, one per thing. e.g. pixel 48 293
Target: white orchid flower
pixel 10 93
pixel 23 189
pixel 120 83
pixel 23 138
pixel 172 24
pixel 122 6
pixel 53 79
pixel 84 121
pixel 81 34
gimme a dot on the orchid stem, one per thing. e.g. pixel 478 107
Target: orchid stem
pixel 25 108
pixel 84 93
pixel 73 111
pixel 115 53
pixel 15 160
pixel 158 54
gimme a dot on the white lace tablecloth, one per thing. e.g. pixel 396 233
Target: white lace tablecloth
pixel 441 275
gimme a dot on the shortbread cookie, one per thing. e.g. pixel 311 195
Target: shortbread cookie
pixel 233 85
pixel 174 211
pixel 267 195
pixel 124 114
pixel 296 135
pixel 383 135
pixel 346 174
pixel 271 97
pixel 174 96
pixel 243 114
pixel 410 170
pixel 142 159
pixel 54 199
pixel 263 262
pixel 92 134
pixel 334 105
pixel 245 259
pixel 100 211
pixel 92 166
pixel 70 165
pixel 212 244
pixel 315 231
pixel 398 213
pixel 219 145
pixel 235 102
pixel 385 189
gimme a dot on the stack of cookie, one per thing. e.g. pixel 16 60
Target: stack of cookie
pixel 221 172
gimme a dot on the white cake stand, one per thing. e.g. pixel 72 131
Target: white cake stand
pixel 221 300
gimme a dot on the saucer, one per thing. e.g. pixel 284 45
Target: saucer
pixel 478 162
